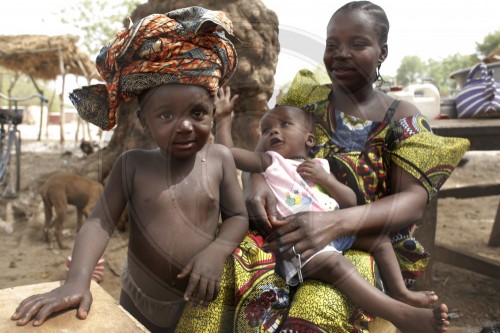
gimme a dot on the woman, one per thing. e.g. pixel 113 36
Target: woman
pixel 381 148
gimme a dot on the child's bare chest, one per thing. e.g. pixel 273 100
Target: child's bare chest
pixel 163 197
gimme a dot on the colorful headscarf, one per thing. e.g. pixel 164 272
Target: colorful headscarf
pixel 181 46
pixel 306 88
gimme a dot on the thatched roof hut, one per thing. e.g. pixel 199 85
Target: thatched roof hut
pixel 40 56
pixel 46 57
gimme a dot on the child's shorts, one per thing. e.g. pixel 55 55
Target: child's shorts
pixel 158 312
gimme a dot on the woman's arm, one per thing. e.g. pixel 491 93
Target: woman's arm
pixel 260 202
pixel 311 231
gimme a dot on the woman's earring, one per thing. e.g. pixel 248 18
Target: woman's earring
pixel 378 77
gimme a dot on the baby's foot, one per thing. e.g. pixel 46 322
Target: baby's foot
pixel 420 299
pixel 440 314
pixel 426 320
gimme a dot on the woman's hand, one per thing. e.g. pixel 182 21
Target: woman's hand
pixel 307 232
pixel 260 202
pixel 41 306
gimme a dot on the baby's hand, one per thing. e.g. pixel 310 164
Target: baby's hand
pixel 224 103
pixel 312 171
pixel 205 271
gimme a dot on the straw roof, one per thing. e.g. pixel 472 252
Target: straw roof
pixel 38 56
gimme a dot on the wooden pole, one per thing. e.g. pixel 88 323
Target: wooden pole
pixel 40 91
pixel 41 121
pixel 88 131
pixel 61 97
pixel 84 123
pixel 495 232
pixel 49 107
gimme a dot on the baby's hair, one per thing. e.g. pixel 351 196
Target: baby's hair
pixel 308 117
pixel 380 19
pixel 309 121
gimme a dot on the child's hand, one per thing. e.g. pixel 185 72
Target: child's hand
pixel 224 103
pixel 205 271
pixel 314 172
pixel 40 307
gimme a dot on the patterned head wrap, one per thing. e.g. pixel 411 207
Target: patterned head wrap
pixel 182 46
pixel 305 90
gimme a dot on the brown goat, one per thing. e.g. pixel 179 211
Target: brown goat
pixel 61 190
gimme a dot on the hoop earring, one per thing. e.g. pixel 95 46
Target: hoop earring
pixel 378 78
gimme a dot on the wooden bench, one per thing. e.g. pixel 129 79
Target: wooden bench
pixel 483 134
pixel 104 316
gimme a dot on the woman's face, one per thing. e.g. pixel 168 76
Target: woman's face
pixel 179 118
pixel 352 51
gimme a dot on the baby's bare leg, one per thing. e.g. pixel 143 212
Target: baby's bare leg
pixel 381 249
pixel 332 267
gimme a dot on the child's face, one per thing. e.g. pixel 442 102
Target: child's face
pixel 283 130
pixel 179 118
pixel 353 51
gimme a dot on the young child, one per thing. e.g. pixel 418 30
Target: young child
pixel 286 139
pixel 175 193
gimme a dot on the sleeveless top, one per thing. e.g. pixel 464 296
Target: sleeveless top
pixel 361 152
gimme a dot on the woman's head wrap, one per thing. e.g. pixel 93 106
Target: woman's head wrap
pixel 306 89
pixel 182 46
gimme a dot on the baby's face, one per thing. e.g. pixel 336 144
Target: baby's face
pixel 179 118
pixel 283 131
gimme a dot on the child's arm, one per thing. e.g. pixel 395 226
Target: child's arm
pixel 90 243
pixel 314 172
pixel 206 268
pixel 246 160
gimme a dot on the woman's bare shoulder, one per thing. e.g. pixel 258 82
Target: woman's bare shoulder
pixel 404 109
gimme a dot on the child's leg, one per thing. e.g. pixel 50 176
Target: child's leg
pixel 381 249
pixel 334 268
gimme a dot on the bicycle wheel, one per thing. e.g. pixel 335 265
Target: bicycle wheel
pixel 12 179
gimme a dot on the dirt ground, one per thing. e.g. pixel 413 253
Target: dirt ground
pixel 26 258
